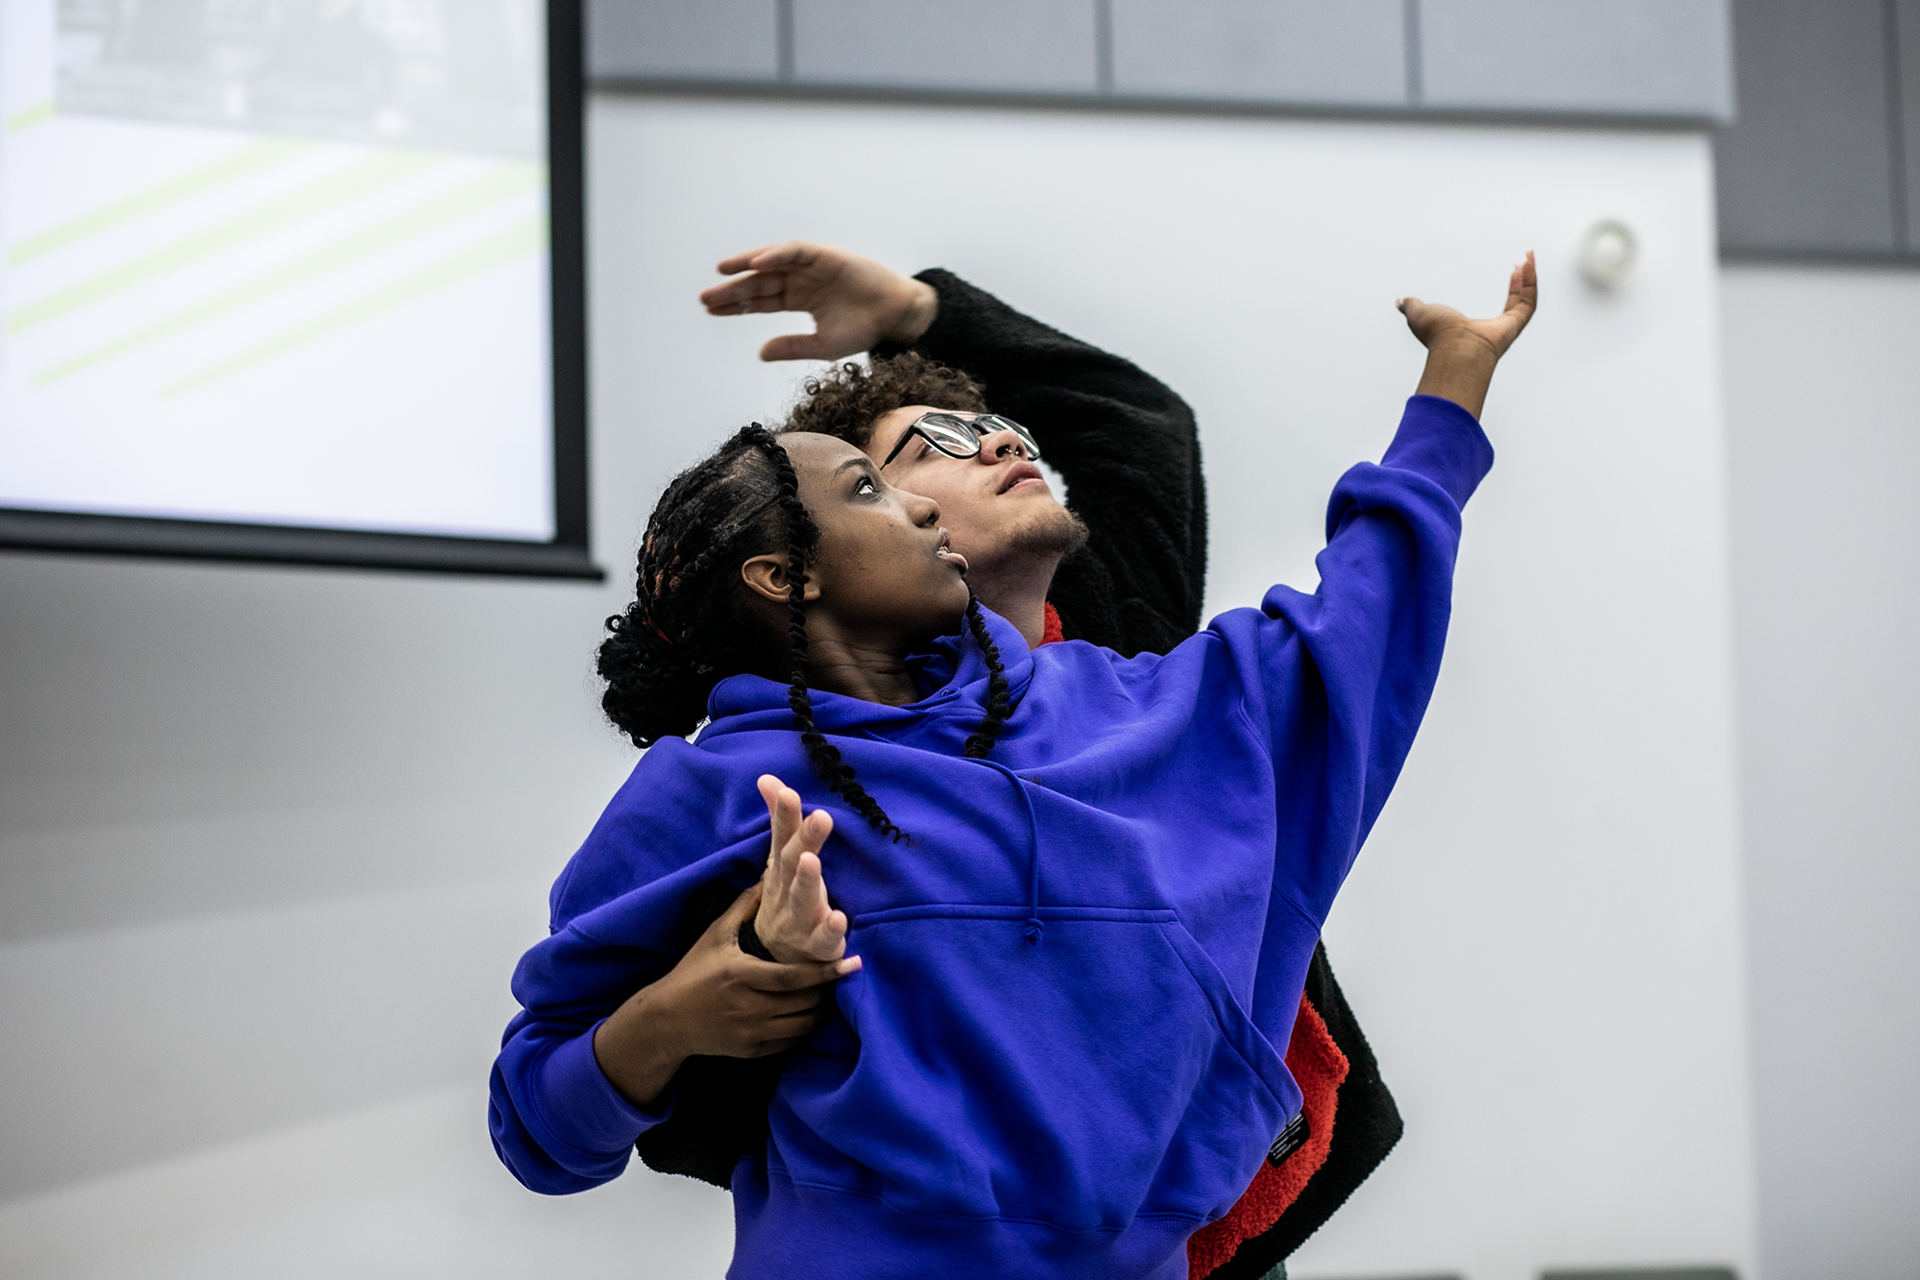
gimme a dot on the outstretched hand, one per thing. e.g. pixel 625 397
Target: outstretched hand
pixel 1461 351
pixel 1435 321
pixel 856 303
pixel 795 921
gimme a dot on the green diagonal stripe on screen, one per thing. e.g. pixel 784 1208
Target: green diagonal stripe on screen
pixel 27 117
pixel 235 164
pixel 502 184
pixel 356 181
pixel 526 238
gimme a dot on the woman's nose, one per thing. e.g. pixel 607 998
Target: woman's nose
pixel 996 445
pixel 926 513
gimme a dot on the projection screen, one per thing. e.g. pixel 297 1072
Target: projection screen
pixel 294 280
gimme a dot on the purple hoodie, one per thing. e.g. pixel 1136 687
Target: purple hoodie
pixel 1082 972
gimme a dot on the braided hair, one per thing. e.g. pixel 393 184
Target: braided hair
pixel 827 762
pixel 692 624
pixel 686 630
pixel 998 702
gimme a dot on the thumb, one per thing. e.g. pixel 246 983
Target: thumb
pixel 734 265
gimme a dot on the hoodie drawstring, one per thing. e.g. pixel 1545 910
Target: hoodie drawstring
pixel 1033 928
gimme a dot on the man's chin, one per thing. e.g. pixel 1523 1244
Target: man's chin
pixel 1054 532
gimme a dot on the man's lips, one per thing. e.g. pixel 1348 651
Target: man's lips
pixel 1017 473
pixel 946 552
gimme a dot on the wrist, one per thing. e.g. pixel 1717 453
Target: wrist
pixel 922 304
pixel 639 1047
pixel 1459 372
pixel 771 948
pixel 753 943
pixel 1462 344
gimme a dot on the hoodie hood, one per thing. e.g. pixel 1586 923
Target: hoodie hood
pixel 951 675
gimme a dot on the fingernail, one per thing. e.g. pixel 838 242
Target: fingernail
pixel 849 965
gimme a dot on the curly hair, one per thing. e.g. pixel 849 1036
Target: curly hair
pixel 692 623
pixel 847 400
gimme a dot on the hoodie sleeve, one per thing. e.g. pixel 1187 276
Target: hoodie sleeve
pixel 1339 680
pixel 628 906
pixel 557 1121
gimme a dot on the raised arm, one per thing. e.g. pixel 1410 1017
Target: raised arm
pixel 1462 352
pixel 856 303
pixel 1126 445
pixel 1343 676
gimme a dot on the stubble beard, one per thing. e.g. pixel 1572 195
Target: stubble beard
pixel 1056 532
pixel 1033 548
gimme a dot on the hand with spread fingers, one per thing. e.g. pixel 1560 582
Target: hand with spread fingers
pixel 795 921
pixel 1462 352
pixel 856 303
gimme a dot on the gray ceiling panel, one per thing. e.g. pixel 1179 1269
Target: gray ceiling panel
pixel 1630 57
pixel 1666 60
pixel 1907 15
pixel 1807 167
pixel 1307 51
pixel 986 46
pixel 683 40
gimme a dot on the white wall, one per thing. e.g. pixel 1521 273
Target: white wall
pixel 272 838
pixel 1823 409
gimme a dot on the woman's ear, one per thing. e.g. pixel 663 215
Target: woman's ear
pixel 766 576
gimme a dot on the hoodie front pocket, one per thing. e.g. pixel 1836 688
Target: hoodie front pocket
pixel 1078 1067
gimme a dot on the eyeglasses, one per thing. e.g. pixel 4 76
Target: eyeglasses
pixel 959 437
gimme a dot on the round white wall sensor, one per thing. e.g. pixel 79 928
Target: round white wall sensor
pixel 1607 253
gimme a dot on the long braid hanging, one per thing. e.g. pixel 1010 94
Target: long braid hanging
pixel 825 758
pixel 998 702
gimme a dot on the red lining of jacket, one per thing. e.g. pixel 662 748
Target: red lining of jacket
pixel 1318 1067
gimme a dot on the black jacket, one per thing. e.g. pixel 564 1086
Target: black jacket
pixel 1129 450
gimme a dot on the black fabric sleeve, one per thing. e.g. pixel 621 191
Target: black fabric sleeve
pixel 1127 447
pixel 750 941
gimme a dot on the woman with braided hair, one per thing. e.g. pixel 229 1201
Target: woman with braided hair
pixel 724 506
pixel 1084 889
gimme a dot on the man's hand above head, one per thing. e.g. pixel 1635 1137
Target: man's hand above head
pixel 1462 352
pixel 856 303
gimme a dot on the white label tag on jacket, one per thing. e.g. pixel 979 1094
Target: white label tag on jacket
pixel 1291 1139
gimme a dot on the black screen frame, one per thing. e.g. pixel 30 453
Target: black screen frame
pixel 566 555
